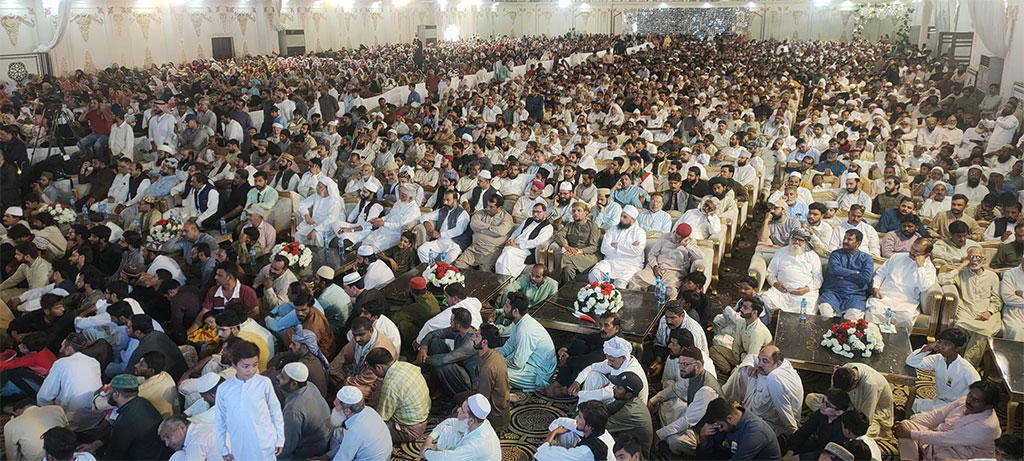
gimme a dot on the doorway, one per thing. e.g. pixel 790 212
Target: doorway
pixel 223 48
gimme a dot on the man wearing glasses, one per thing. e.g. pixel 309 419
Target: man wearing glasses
pixel 898 285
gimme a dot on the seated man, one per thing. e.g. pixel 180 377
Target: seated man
pixel 529 351
pixel 457 368
pixel 795 276
pixel 964 429
pixel 892 219
pixel 852 194
pixel 365 433
pixel 445 230
pixel 898 285
pixel 824 426
pixel 306 414
pixel 677 317
pixel 855 220
pixel 606 213
pixel 582 351
pixel 683 404
pixel 623 250
pixel 939 226
pixel 977 313
pixel 952 249
pixel 671 257
pixel 900 240
pixel 769 387
pixel 584 438
pixel 376 273
pixel 490 230
pixel 1009 254
pixel 844 291
pixel 349 367
pixel 654 219
pixel 953 374
pixel 869 393
pixel 750 336
pixel 592 382
pixel 855 427
pixel 733 432
pixel 533 232
pixel 704 220
pixel 776 229
pixel 629 409
pixel 411 318
pixel 468 436
pixel 536 286
pixel 388 230
pixel 578 242
pixel 404 398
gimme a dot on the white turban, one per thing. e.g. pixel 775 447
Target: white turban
pixel 617 347
pixel 631 211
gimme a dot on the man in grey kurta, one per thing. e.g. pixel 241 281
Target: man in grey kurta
pixel 578 242
pixel 490 230
pixel 307 418
pixel 672 257
pixel 978 312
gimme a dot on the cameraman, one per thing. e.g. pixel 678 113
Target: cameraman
pixel 100 120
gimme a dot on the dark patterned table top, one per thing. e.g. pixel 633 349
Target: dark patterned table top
pixel 1011 366
pixel 800 342
pixel 484 286
pixel 640 313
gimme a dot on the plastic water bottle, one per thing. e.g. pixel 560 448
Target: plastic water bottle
pixel 325 240
pixel 431 257
pixel 607 278
pixel 659 290
pixel 85 214
pixel 138 225
pixel 252 256
pixel 888 317
pixel 223 227
pixel 803 309
pixel 443 257
pixel 341 248
pixel 72 198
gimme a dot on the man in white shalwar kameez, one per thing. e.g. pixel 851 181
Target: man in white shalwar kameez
pixel 794 275
pixel 898 284
pixel 673 256
pixel 445 227
pixel 1011 290
pixel 770 387
pixel 682 404
pixel 592 383
pixel 378 273
pixel 623 249
pixel 531 233
pixel 953 373
pixel 248 411
pixel 319 213
pixel 388 230
pixel 357 225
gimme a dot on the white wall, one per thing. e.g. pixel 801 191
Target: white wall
pixel 136 33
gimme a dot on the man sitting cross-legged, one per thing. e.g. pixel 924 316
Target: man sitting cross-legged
pixel 683 404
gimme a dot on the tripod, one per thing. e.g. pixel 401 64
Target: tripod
pixel 55 163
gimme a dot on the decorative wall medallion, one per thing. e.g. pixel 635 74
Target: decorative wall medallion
pixel 144 20
pixel 17 71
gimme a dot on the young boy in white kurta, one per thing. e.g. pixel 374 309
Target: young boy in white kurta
pixel 246 404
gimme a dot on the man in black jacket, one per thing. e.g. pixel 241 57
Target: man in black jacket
pixel 822 427
pixel 580 352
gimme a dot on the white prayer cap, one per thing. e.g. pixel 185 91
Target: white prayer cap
pixel 467 137
pixel 479 406
pixel 351 278
pixel 832 204
pixel 484 174
pixel 166 148
pixel 255 209
pixel 349 395
pixel 277 125
pixel 15 211
pixel 371 187
pixel 617 347
pixel 631 211
pixel 686 149
pixel 297 371
pixel 853 176
pixel 325 272
pixel 565 186
pixel 409 189
pixel 332 123
pixel 366 250
pixel 745 153
pixel 795 174
pixel 207 382
pixel 115 232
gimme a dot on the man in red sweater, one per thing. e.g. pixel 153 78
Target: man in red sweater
pixel 27 368
pixel 100 119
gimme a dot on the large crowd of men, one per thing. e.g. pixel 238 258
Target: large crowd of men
pixel 880 173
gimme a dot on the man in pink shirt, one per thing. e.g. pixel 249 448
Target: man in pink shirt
pixel 964 429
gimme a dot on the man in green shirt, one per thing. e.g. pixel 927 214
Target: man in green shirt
pixel 411 318
pixel 536 286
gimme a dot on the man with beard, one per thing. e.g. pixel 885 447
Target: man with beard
pixel 776 229
pixel 376 273
pixel 1001 230
pixel 306 415
pixel 750 335
pixel 849 277
pixel 388 230
pixel 528 352
pixel 525 204
pixel 261 195
pixel 32 269
pixel 973 189
pixel 456 368
pixel 133 435
pixel 671 257
pixel 586 191
pixel 478 196
pixel 963 429
pixel 794 275
pixel 623 250
pixel 655 219
pixel 581 351
pixel 584 438
pixel 349 367
pixel 890 199
pixel 364 433
pixel 682 405
pixel 704 220
pixel 492 381
pixel 676 199
pixel 62 283
pixel 312 319
pixel 606 213
pixel 953 249
pixel 533 232
pixel 892 218
pixel 770 388
pixel 745 173
pixel 489 230
pixel 901 240
pixel 852 194
pixel 733 432
pixel 468 436
pixel 578 242
pixel 939 226
pixel 855 221
pixel 899 283
pixel 625 193
pixel 445 229
pixel 561 205
pixel 1009 254
pixel 694 185
pixel 357 225
pixel 535 285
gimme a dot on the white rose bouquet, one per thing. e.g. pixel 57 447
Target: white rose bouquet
pixel 299 256
pixel 164 230
pixel 847 338
pixel 60 212
pixel 443 274
pixel 598 298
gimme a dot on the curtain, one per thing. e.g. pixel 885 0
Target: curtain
pixel 63 15
pixel 276 22
pixel 989 18
pixel 945 10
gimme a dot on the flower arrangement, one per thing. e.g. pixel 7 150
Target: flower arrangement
pixel 60 212
pixel 298 255
pixel 597 298
pixel 443 274
pixel 164 230
pixel 846 338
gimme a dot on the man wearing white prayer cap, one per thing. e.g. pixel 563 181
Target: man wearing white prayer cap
pixel 467 437
pixel 307 417
pixel 560 209
pixel 203 393
pixel 363 433
pixel 320 211
pixel 623 250
pixel 592 383
pixel 531 233
pixel 403 215
pixel 376 273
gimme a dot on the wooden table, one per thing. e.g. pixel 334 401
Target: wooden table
pixel 1007 355
pixel 800 342
pixel 640 313
pixel 481 285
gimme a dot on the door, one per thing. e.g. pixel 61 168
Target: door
pixel 223 48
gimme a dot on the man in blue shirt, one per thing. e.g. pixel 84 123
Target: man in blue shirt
pixel 849 276
pixel 731 432
pixel 414 96
pixel 802 150
pixel 831 164
pixel 892 218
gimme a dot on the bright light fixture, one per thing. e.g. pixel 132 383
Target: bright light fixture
pixel 451 34
pixel 706 5
pixel 398 3
pixel 751 5
pixel 663 5
pixel 564 3
pixel 821 3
